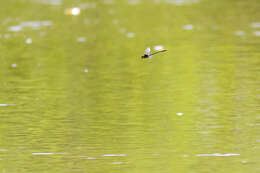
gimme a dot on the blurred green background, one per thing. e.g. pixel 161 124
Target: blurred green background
pixel 75 96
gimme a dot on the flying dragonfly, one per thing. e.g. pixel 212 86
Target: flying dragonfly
pixel 147 52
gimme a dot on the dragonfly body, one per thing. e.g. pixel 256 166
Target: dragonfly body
pixel 145 56
pixel 147 53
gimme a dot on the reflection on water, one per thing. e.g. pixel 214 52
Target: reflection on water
pixel 130 34
pixel 42 153
pixel 30 24
pixel 49 2
pixel 86 5
pixel 219 154
pixel 179 114
pixel 14 65
pixel 256 33
pixel 240 33
pixel 113 155
pixel 255 25
pixel 86 70
pixel 158 47
pixel 28 40
pixel 122 30
pixel 133 2
pixel 72 11
pixel 117 163
pixel 115 21
pixel 81 39
pixel 188 27
pixel 178 2
pixel 76 96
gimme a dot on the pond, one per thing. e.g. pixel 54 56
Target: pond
pixel 76 96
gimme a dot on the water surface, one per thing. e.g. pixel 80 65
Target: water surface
pixel 76 96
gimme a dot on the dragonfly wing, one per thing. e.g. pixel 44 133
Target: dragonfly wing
pixel 147 51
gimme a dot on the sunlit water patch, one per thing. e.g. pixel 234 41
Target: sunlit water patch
pixel 87 5
pixel 130 35
pixel 179 113
pixel 158 47
pixel 256 33
pixel 218 155
pixel 115 21
pixel 3 149
pixel 14 65
pixel 4 104
pixel 28 41
pixel 255 25
pixel 75 11
pixel 133 2
pixel 42 153
pixel 114 155
pixel 49 2
pixel 177 2
pixel 81 39
pixel 240 33
pixel 83 157
pixel 188 27
pixel 15 28
pixel 116 163
pixel 30 24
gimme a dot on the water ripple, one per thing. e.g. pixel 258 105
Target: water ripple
pixel 218 155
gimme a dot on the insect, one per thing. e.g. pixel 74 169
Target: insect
pixel 147 52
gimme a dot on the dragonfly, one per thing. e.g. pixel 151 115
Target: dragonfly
pixel 148 50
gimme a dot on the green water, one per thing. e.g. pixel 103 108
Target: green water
pixel 75 96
